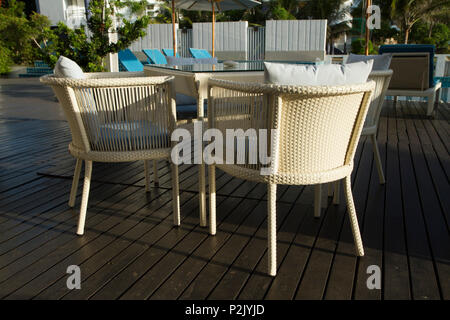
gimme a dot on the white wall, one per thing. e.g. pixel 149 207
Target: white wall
pixel 159 36
pixel 230 38
pixel 295 35
pixel 295 39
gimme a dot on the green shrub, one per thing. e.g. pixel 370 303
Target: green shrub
pixel 358 46
pixel 19 34
pixel 5 59
pixel 89 52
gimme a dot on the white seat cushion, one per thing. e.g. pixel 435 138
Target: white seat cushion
pixel 66 68
pixel 380 62
pixel 317 75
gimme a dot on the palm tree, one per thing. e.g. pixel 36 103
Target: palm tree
pixel 405 13
pixel 334 11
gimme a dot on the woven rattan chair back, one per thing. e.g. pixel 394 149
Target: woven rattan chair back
pixel 316 132
pixel 318 127
pixel 118 117
pixel 382 80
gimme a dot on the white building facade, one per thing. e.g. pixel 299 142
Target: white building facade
pixel 73 12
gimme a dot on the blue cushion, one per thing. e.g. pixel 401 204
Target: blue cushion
pixel 399 48
pixel 169 52
pixel 199 53
pixel 155 56
pixel 129 132
pixel 129 62
pixel 189 111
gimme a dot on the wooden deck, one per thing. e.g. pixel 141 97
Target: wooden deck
pixel 131 250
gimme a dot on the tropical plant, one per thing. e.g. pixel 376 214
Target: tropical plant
pixel 5 59
pixel 438 36
pixel 406 13
pixel 334 11
pixel 17 32
pixel 359 45
pixel 89 46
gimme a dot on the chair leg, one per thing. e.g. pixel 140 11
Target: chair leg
pixel 353 218
pixel 212 199
pixel 76 178
pixel 147 176
pixel 376 154
pixel 337 192
pixel 155 173
pixel 202 194
pixel 317 200
pixel 272 228
pixel 430 103
pixel 85 197
pixel 330 189
pixel 175 195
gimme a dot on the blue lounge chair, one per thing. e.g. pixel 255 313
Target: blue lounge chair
pixel 199 53
pixel 399 49
pixel 129 62
pixel 169 52
pixel 155 56
pixel 413 66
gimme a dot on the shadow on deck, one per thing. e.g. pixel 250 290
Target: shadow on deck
pixel 131 250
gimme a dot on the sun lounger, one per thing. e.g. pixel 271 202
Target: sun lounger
pixel 199 53
pixel 129 62
pixel 155 56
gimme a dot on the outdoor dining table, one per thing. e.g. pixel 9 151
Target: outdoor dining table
pixel 192 80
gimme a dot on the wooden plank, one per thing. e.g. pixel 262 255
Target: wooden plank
pixel 433 217
pixel 39 240
pixel 395 270
pixel 137 237
pixel 372 227
pixel 254 284
pixel 188 257
pixel 221 261
pixel 94 219
pixel 290 268
pixel 38 276
pixel 143 264
pixel 27 231
pixel 438 161
pixel 423 278
pixel 318 270
pixel 137 240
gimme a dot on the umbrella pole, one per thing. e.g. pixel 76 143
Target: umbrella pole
pixel 367 28
pixel 173 30
pixel 213 26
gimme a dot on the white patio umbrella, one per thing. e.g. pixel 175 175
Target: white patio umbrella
pixel 209 5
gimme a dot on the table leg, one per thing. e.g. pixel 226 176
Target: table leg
pixel 201 168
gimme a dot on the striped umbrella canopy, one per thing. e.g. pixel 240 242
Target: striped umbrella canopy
pixel 209 5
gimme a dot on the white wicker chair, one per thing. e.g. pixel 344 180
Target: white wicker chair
pixel 381 79
pixel 316 133
pixel 117 117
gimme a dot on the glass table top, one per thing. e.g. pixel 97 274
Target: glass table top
pixel 240 66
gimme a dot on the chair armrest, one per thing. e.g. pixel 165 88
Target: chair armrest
pixel 133 79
